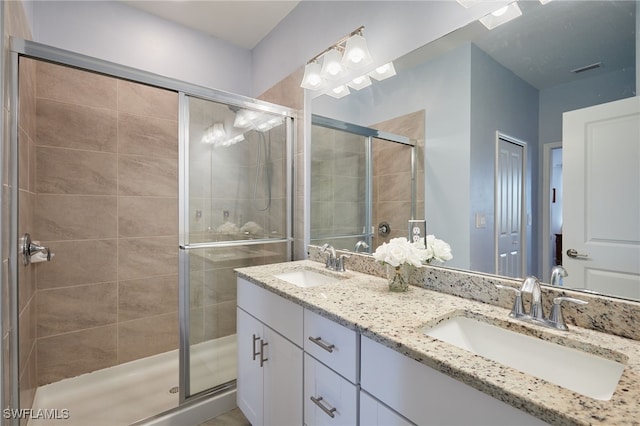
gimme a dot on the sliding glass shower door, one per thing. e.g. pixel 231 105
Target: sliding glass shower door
pixel 234 212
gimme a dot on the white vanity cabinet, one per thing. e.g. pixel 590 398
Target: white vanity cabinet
pixel 428 397
pixel 330 372
pixel 374 413
pixel 269 362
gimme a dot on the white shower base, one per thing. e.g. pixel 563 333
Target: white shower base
pixel 130 392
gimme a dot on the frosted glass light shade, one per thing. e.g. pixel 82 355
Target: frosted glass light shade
pixel 356 54
pixel 501 16
pixel 338 92
pixel 214 134
pixel 360 82
pixel 312 79
pixel 332 64
pixel 383 71
pixel 244 119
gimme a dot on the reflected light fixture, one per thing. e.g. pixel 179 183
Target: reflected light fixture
pixel 501 15
pixel 383 71
pixel 339 92
pixel 360 82
pixel 340 63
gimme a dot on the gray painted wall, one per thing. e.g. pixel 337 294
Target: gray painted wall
pixel 500 101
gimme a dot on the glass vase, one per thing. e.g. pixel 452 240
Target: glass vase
pixel 398 277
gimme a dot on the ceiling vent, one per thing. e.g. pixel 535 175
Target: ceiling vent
pixel 587 68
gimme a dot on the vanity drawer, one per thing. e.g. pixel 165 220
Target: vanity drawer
pixel 331 343
pixel 329 399
pixel 277 312
pixel 426 396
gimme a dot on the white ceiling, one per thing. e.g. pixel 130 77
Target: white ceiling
pixel 557 37
pixel 241 22
pixel 547 42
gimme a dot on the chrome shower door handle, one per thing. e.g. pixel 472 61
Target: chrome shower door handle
pixel 573 253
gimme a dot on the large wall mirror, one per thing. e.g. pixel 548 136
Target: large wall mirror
pixel 484 95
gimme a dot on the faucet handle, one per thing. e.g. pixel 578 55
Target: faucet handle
pixel 517 311
pixel 556 318
pixel 340 262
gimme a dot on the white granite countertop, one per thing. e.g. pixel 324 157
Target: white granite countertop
pixel 363 303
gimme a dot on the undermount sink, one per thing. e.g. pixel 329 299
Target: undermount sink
pixel 306 278
pixel 579 371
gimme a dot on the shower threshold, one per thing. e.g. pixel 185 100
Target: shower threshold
pixel 136 390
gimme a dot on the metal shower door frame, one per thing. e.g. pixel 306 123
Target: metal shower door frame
pixel 370 134
pixel 26 48
pixel 184 213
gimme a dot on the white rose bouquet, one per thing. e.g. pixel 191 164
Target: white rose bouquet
pixel 399 251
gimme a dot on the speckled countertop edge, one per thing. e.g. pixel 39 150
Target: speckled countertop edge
pixel 363 303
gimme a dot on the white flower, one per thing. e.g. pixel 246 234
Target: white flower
pixel 400 251
pixel 438 249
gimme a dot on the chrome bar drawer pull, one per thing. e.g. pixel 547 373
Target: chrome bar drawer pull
pixel 262 358
pixel 255 354
pixel 318 341
pixel 330 411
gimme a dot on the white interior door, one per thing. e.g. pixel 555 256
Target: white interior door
pixel 509 208
pixel 601 214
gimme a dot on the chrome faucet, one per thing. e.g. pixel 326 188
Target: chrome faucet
pixel 557 273
pixel 531 285
pixel 361 244
pixel 334 262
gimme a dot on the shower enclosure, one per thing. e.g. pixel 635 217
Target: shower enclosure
pixel 363 185
pixel 235 208
pixel 148 192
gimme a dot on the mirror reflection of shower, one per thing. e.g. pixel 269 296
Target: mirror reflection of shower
pixel 240 144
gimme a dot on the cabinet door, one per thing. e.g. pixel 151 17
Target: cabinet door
pixel 250 381
pixel 329 399
pixel 426 396
pixel 282 381
pixel 375 413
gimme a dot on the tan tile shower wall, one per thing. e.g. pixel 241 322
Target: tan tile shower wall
pixel 107 205
pixel 392 175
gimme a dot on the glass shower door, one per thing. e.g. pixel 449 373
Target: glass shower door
pixel 234 214
pixel 340 186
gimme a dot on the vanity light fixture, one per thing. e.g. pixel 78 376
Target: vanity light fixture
pixel 214 134
pixel 467 3
pixel 331 64
pixel 339 92
pixel 501 15
pixel 383 71
pixel 312 79
pixel 360 82
pixel 340 63
pixel 545 1
pixel 356 54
